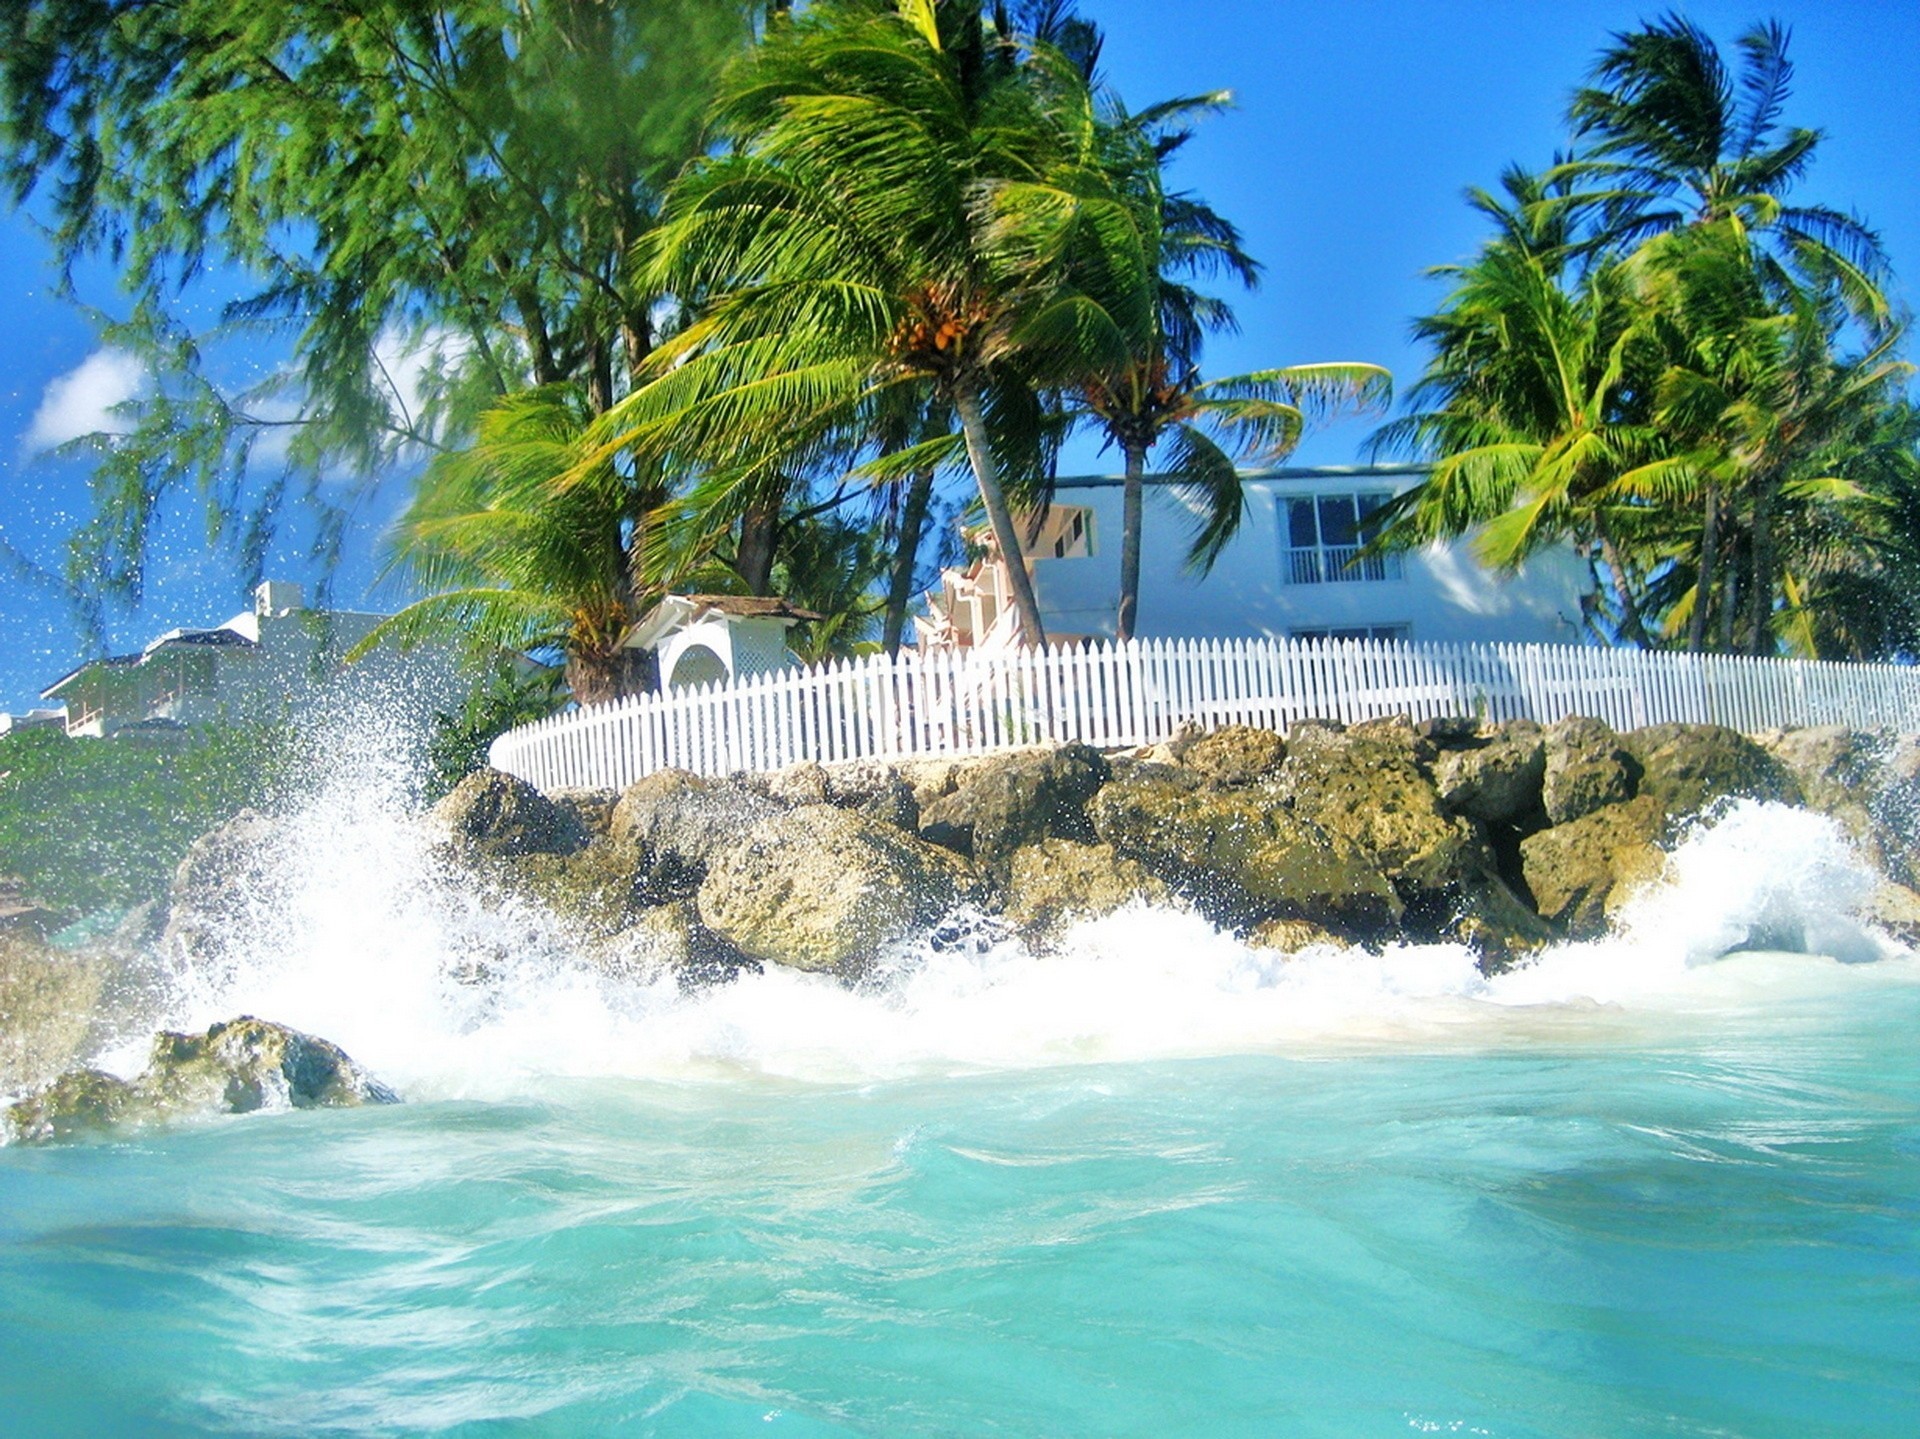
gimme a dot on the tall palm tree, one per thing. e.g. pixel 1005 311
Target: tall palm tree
pixel 514 561
pixel 852 241
pixel 1533 406
pixel 1677 140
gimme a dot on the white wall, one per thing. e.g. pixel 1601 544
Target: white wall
pixel 1443 595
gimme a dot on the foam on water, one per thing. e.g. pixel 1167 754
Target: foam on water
pixel 445 991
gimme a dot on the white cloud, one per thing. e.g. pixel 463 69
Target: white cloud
pixel 406 360
pixel 81 401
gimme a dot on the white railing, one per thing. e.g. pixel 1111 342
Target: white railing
pixel 1120 695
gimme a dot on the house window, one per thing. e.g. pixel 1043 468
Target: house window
pixel 1065 532
pixel 1324 535
pixel 1356 632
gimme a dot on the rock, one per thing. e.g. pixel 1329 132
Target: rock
pixel 677 824
pixel 48 1003
pixel 1057 882
pixel 592 809
pixel 669 938
pixel 22 914
pixel 874 790
pixel 1365 787
pixel 1895 909
pixel 1687 767
pixel 1839 773
pixel 233 1068
pixel 598 890
pixel 79 1103
pixel 822 888
pixel 500 815
pixel 1017 799
pixel 1580 872
pixel 1586 767
pixel 1234 755
pixel 248 1064
pixel 1495 922
pixel 1242 856
pixel 1498 782
pixel 804 783
pixel 932 779
pixel 232 880
pixel 1290 936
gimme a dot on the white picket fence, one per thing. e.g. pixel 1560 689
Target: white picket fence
pixel 1117 695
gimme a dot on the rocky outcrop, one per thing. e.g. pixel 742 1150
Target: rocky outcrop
pixel 233 1068
pixel 677 824
pixel 823 888
pixel 1017 799
pixel 1058 882
pixel 227 882
pixel 1242 855
pixel 1686 768
pixel 50 1003
pixel 1235 755
pixel 1495 779
pixel 1586 767
pixel 1580 872
pixel 501 817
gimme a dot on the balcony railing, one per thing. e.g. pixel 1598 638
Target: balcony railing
pixel 1338 564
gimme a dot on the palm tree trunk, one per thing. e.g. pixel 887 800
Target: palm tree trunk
pixel 1703 581
pixel 759 528
pixel 1130 525
pixel 1760 590
pixel 986 473
pixel 599 677
pixel 906 552
pixel 1631 628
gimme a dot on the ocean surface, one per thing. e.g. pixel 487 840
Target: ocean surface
pixel 1666 1184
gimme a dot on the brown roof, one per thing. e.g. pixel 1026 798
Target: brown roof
pixel 752 606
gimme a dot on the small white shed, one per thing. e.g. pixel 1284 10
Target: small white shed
pixel 703 638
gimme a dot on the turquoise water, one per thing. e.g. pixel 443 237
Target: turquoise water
pixel 1718 1237
pixel 1158 1184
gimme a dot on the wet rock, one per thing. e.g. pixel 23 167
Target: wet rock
pixel 1017 799
pixel 797 784
pixel 1586 767
pixel 1687 767
pixel 248 1064
pixel 22 914
pixel 49 1000
pixel 874 790
pixel 78 1104
pixel 932 779
pixel 1496 923
pixel 1499 781
pixel 1057 882
pixel 821 888
pixel 677 823
pixel 1580 873
pixel 592 809
pixel 669 938
pixel 232 881
pixel 233 1068
pixel 1290 936
pixel 597 891
pixel 1235 755
pixel 1839 773
pixel 1365 787
pixel 502 816
pixel 1242 856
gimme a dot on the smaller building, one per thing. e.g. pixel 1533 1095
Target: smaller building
pixel 703 638
pixel 271 663
pixel 33 719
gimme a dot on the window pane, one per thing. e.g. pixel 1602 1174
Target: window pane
pixel 1337 525
pixel 1300 531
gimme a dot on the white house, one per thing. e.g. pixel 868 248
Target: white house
pixel 273 662
pixel 1293 570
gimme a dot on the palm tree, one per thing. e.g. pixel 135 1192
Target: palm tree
pixel 1532 408
pixel 1679 141
pixel 513 561
pixel 853 241
pixel 1131 250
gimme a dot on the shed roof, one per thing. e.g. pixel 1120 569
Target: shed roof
pixel 678 612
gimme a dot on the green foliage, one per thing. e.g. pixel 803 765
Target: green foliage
pixel 510 693
pixel 100 824
pixel 464 179
pixel 1659 359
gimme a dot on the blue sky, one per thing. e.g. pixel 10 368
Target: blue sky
pixel 1358 126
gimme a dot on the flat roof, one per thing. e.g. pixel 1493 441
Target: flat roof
pixel 1278 472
